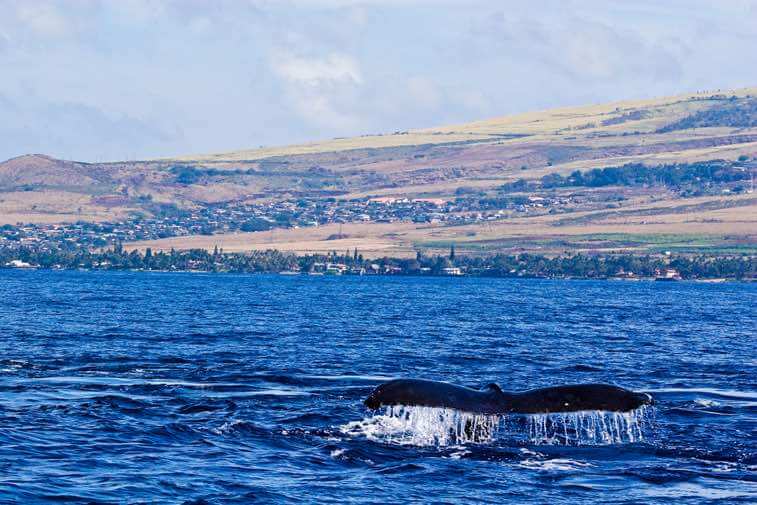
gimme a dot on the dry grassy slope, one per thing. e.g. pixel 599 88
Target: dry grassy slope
pixel 41 170
pixel 580 121
pixel 436 161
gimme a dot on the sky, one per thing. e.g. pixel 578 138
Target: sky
pixel 97 80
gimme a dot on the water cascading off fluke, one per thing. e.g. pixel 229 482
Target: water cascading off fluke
pixel 432 426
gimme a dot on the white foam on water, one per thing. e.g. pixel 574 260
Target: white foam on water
pixel 555 465
pixel 337 452
pixel 431 426
pixel 227 427
pixel 706 403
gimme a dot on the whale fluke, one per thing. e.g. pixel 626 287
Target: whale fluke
pixel 492 400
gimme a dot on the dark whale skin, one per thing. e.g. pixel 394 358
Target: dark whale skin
pixel 428 393
pixel 492 400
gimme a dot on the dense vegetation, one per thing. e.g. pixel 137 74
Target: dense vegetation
pixel 192 174
pixel 696 176
pixel 500 265
pixel 736 112
pixel 189 174
pixel 634 115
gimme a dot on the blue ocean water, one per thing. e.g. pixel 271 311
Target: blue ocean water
pixel 201 388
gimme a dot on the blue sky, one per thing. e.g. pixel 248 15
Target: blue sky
pixel 102 80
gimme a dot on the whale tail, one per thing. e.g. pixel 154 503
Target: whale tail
pixel 374 401
pixel 578 397
pixel 492 400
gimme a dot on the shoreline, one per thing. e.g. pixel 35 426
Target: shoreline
pixel 630 268
pixel 704 280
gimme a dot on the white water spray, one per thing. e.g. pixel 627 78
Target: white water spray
pixel 593 427
pixel 431 426
pixel 426 426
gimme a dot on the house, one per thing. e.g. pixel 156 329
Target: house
pixel 438 202
pixel 18 264
pixel 335 268
pixel 622 274
pixel 452 271
pixel 668 274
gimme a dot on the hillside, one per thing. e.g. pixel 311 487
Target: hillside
pixel 487 185
pixel 571 125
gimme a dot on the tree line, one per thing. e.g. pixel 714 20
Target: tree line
pixel 674 176
pixel 496 265
pixel 736 112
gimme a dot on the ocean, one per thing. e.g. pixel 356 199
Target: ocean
pixel 140 387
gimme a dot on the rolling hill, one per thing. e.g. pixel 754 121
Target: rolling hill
pixel 470 161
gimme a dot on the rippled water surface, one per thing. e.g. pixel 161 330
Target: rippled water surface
pixel 150 387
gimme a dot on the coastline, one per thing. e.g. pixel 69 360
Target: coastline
pixel 706 280
pixel 623 267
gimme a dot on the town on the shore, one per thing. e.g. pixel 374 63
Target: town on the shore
pixel 553 194
pixel 99 245
pixel 668 267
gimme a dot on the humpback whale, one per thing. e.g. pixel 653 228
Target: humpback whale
pixel 493 400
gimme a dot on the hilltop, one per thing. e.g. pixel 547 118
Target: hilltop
pixel 498 184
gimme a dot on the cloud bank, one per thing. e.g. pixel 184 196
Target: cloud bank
pixel 107 80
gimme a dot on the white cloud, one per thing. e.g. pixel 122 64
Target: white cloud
pixel 424 92
pixel 200 25
pixel 43 18
pixel 579 47
pixel 141 10
pixel 318 86
pixel 68 129
pixel 233 74
pixel 314 71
